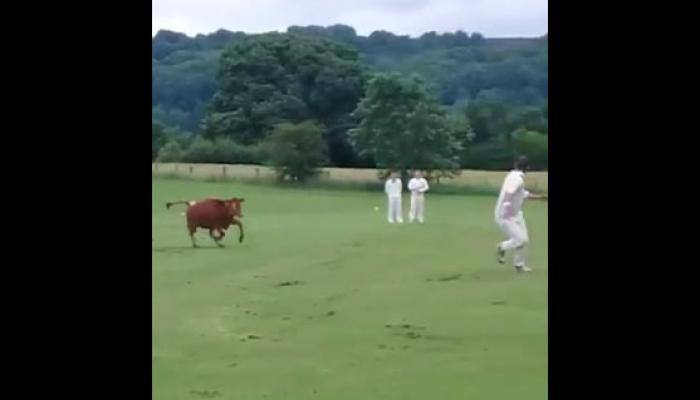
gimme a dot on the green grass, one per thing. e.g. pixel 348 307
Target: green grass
pixel 474 329
pixel 336 185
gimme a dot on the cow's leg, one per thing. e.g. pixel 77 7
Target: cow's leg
pixel 240 228
pixel 192 230
pixel 216 238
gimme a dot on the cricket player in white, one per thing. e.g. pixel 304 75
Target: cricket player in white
pixel 509 216
pixel 393 188
pixel 418 186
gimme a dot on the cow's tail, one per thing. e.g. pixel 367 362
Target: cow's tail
pixel 170 204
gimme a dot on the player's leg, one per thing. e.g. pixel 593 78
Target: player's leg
pixel 390 210
pixel 520 259
pixel 511 230
pixel 517 238
pixel 399 211
pixel 412 210
pixel 420 209
pixel 500 250
pixel 520 253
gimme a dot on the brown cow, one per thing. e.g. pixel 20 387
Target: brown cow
pixel 213 214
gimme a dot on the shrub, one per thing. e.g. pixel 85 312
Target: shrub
pixel 296 151
pixel 224 151
pixel 172 151
pixel 490 155
pixel 534 145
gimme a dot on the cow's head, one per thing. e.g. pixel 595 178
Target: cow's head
pixel 235 206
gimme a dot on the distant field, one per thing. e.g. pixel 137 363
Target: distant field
pixel 493 179
pixel 325 300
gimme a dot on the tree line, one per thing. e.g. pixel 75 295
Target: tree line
pixel 321 93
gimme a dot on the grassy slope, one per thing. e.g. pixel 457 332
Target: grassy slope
pixel 480 332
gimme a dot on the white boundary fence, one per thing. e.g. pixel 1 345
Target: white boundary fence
pixel 534 180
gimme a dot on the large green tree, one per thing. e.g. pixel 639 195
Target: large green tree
pixel 402 127
pixel 504 80
pixel 268 79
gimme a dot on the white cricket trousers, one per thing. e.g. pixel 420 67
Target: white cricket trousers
pixel 395 211
pixel 417 207
pixel 518 240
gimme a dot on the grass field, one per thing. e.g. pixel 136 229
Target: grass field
pixel 325 300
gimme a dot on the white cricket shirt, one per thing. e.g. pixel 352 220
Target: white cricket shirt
pixel 514 187
pixel 393 188
pixel 418 185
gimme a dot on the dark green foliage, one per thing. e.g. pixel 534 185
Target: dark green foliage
pixel 297 151
pixel 172 151
pixel 499 85
pixel 500 153
pixel 491 155
pixel 184 75
pixel 218 151
pixel 161 134
pixel 268 79
pixel 489 119
pixel 532 144
pixel 223 151
pixel 204 151
pixel 500 132
pixel 158 139
pixel 459 65
pixel 463 134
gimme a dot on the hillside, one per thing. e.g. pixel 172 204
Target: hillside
pixel 459 67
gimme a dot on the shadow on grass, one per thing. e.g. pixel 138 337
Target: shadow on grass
pixel 182 249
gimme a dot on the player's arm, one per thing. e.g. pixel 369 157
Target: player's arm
pixel 412 185
pixel 536 196
pixel 425 186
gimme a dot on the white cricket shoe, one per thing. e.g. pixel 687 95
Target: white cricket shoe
pixel 523 268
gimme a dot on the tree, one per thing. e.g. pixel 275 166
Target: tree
pixel 296 151
pixel 222 151
pixel 339 32
pixel 172 151
pixel 268 79
pixel 402 127
pixel 507 76
pixel 531 119
pixel 534 145
pixel 162 134
pixel 494 154
pixel 158 138
pixel 477 38
pixel 489 119
pixel 463 133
